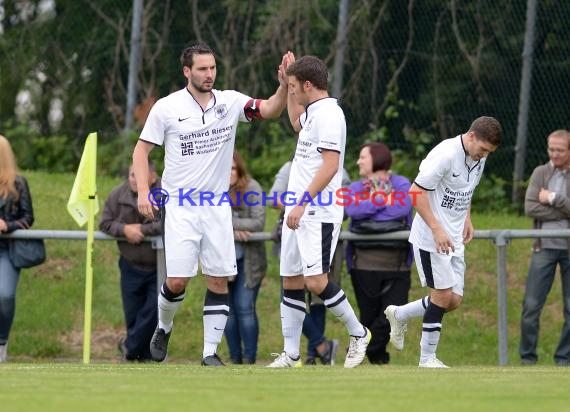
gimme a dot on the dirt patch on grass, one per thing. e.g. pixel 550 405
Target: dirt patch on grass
pixel 103 341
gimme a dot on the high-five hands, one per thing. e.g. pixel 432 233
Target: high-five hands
pixel 287 59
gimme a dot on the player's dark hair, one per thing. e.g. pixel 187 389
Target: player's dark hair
pixel 487 129
pixel 187 56
pixel 381 156
pixel 310 68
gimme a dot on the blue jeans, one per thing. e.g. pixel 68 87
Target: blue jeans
pixel 539 282
pixel 242 325
pixel 9 276
pixel 139 295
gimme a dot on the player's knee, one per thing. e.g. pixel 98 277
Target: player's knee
pixel 217 284
pixel 293 282
pixel 316 284
pixel 454 303
pixel 176 285
pixel 312 287
pixel 442 298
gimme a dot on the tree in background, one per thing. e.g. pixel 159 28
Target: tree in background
pixel 414 71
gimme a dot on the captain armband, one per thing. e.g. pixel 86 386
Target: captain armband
pixel 251 109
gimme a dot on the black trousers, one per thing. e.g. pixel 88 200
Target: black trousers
pixel 375 291
pixel 139 294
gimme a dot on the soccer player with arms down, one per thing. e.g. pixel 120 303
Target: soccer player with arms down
pixel 311 230
pixel 441 228
pixel 197 125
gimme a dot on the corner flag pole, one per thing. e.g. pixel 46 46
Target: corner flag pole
pixel 88 282
pixel 82 206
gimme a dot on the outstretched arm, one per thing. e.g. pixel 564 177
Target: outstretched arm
pixel 273 107
pixel 294 110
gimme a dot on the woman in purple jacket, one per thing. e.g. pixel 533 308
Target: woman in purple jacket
pixel 380 271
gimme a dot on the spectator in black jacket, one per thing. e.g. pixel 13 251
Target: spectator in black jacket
pixel 16 212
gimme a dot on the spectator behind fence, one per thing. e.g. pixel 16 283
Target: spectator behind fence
pixel 16 212
pixel 314 325
pixel 242 328
pixel 442 194
pixel 379 270
pixel 137 264
pixel 547 201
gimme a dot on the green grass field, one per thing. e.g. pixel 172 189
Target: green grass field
pixel 50 300
pixel 45 373
pixel 119 387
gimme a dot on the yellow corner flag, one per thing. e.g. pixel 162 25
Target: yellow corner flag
pixel 83 206
pixel 84 189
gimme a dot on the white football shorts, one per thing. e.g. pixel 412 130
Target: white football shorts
pixel 202 234
pixel 308 250
pixel 440 271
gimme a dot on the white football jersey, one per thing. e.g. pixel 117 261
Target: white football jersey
pixel 449 176
pixel 198 143
pixel 323 127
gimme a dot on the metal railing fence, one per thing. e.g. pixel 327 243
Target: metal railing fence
pixel 500 238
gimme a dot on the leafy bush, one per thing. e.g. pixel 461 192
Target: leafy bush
pixel 60 154
pixel 34 152
pixel 57 154
pixel 491 195
pixel 115 154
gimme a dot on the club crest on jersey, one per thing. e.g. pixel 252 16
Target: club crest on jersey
pixel 221 111
pixel 308 126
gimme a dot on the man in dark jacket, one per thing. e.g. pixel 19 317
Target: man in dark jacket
pixel 137 263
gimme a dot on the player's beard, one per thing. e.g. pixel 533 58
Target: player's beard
pixel 202 87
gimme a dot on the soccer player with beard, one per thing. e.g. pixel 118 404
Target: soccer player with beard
pixel 197 125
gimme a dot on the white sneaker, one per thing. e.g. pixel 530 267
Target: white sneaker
pixel 397 328
pixel 3 352
pixel 357 349
pixel 432 363
pixel 283 360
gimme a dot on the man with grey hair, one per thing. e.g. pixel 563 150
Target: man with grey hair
pixel 547 201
